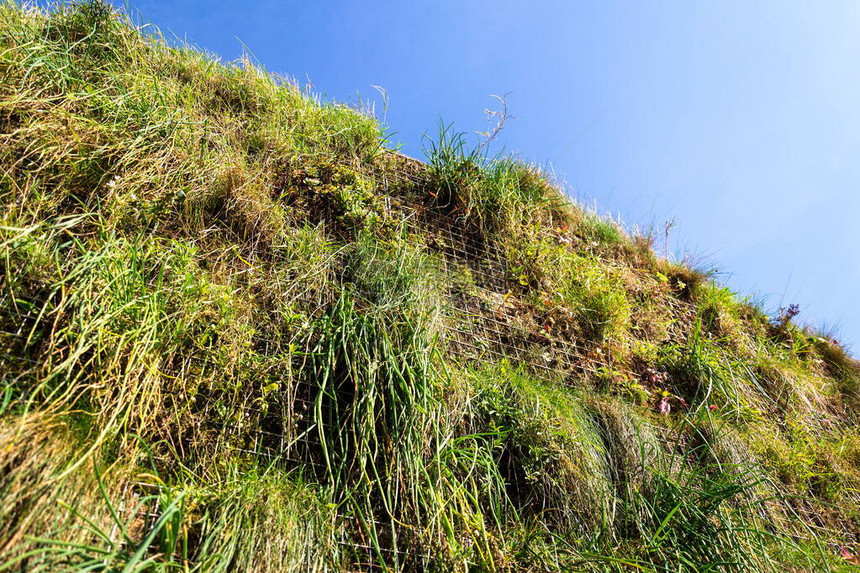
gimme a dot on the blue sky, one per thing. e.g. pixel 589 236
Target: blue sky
pixel 739 120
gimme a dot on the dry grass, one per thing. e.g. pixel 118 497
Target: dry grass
pixel 211 312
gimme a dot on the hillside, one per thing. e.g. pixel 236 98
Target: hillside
pixel 240 333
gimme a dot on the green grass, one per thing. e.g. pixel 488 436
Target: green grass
pixel 228 342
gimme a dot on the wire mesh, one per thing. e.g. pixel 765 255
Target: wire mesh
pixel 485 323
pixel 481 326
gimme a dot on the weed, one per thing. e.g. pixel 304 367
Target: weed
pixel 229 340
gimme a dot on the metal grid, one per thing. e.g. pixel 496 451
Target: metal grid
pixel 367 557
pixel 480 327
pixel 483 326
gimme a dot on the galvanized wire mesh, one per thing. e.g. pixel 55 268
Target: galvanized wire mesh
pixel 485 322
pixel 481 325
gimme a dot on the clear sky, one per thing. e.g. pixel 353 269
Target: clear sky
pixel 740 120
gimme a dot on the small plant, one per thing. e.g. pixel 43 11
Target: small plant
pixel 787 314
pixel 500 117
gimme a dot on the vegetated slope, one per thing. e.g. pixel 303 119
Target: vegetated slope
pixel 239 334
